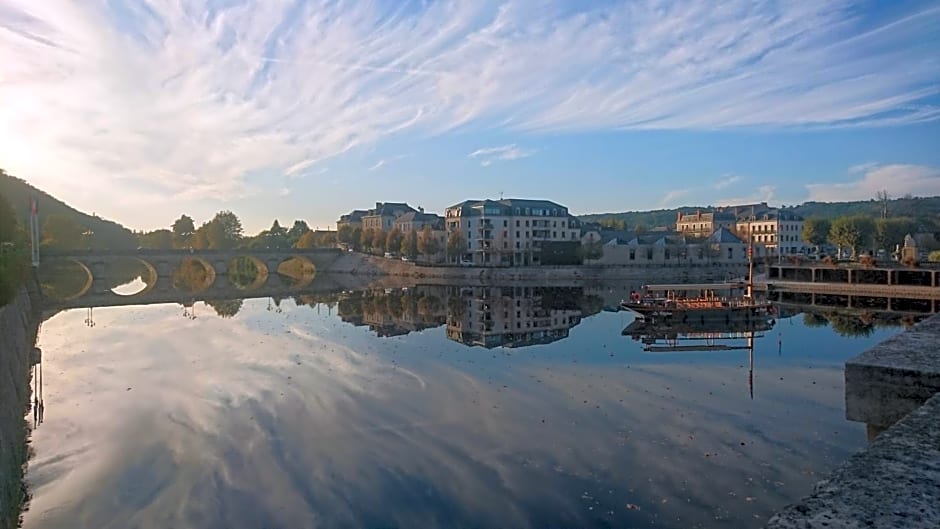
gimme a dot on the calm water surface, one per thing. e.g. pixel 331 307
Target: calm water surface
pixel 327 415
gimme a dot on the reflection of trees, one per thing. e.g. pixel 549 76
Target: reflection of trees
pixel 124 271
pixel 225 308
pixel 591 304
pixel 191 276
pixel 849 325
pixel 244 272
pixel 812 319
pixel 428 305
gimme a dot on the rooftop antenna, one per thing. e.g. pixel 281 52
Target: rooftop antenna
pixel 500 195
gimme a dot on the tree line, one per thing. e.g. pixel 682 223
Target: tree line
pixel 859 233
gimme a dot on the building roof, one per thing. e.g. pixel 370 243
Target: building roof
pixel 420 216
pixel 390 209
pixel 722 235
pixel 507 206
pixel 353 216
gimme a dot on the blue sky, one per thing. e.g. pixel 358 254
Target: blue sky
pixel 141 110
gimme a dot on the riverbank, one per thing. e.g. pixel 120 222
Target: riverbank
pixel 361 264
pixel 19 324
pixel 895 482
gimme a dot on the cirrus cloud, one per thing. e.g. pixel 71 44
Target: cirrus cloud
pixel 197 95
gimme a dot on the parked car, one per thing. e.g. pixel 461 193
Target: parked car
pixel 465 262
pixel 389 255
pixel 405 259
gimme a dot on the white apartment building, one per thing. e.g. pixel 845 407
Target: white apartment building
pixel 512 232
pixel 779 233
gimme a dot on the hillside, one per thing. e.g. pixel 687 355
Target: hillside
pixel 918 207
pixel 19 192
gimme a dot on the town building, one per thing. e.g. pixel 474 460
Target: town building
pixel 778 232
pixel 513 232
pixel 656 249
pixel 353 219
pixel 417 220
pixel 383 215
pixel 702 224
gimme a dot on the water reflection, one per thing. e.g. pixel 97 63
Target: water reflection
pixel 380 407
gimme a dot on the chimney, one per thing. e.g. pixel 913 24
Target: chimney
pixel 378 205
pixel 420 209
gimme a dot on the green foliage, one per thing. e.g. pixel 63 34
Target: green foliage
pixel 816 230
pixel 345 235
pixel 183 229
pixel 613 223
pixel 225 308
pixel 9 227
pixel 14 262
pixel 851 232
pixel 103 233
pixel 296 232
pixel 409 245
pixel 891 232
pixel 427 243
pixel 62 232
pixel 378 241
pixel 156 240
pixel 223 232
pixel 365 239
pixel 393 240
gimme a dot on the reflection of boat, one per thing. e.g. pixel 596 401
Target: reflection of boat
pixel 710 335
pixel 696 302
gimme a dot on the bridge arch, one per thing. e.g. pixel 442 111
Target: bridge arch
pixel 149 282
pixel 247 272
pixel 58 282
pixel 299 269
pixel 193 274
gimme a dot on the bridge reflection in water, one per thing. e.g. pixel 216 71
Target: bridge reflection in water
pixel 88 279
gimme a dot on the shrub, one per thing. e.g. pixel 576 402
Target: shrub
pixel 934 256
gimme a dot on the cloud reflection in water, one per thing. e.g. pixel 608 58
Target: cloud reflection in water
pixel 298 420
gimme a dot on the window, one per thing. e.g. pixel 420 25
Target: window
pixel 667 253
pixel 527 225
pixel 563 235
pixel 555 224
pixel 730 253
pixel 505 223
pixel 649 253
pixel 517 234
pixel 517 245
pixel 554 235
pixel 517 225
pixel 632 254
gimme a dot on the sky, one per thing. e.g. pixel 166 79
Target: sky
pixel 142 110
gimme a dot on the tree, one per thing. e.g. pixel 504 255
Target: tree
pixel 366 236
pixel 156 240
pixel 393 240
pixel 456 244
pixel 427 243
pixel 409 245
pixel 890 232
pixel 183 230
pixel 225 308
pixel 345 234
pixel 816 231
pixel 378 240
pixel 851 232
pixel 223 232
pixel 62 232
pixel 882 196
pixel 276 237
pixel 297 231
pixel 9 227
pixel 356 238
pixel 307 240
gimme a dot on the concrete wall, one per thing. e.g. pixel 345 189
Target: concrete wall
pixel 19 322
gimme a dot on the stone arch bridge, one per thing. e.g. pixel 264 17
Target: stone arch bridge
pixel 162 264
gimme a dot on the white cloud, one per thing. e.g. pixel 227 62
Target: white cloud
pixel 187 99
pixel 673 198
pixel 897 179
pixel 727 181
pixel 505 152
pixel 384 162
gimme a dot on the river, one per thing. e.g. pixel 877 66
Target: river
pixel 389 408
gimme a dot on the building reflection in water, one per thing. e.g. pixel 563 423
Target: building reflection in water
pixel 486 316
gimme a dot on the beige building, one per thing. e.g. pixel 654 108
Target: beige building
pixel 701 225
pixel 417 220
pixel 382 217
pixel 353 219
pixel 623 248
pixel 513 232
pixel 772 230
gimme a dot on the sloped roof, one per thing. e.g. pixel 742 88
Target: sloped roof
pixel 723 235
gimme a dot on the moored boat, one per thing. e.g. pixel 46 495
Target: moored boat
pixel 696 302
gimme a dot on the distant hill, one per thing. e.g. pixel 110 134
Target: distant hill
pixel 917 207
pixel 18 192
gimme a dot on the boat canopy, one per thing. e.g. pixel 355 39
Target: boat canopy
pixel 696 286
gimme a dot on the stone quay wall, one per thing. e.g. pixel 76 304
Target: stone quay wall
pixel 19 325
